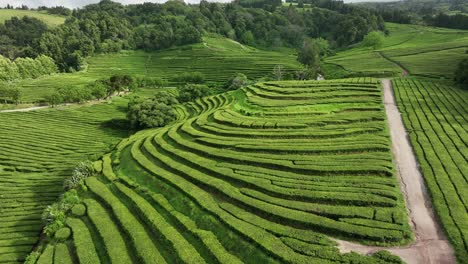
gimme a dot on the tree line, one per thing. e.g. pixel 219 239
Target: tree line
pixel 111 27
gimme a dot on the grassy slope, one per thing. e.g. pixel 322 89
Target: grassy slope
pixel 217 58
pixel 37 151
pixel 423 51
pixel 51 20
pixel 259 175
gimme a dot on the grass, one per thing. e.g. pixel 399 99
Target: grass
pixel 50 20
pixel 435 114
pixel 265 174
pixel 417 50
pixel 217 58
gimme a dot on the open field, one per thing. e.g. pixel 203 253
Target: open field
pixel 417 50
pixel 38 150
pixel 260 175
pixel 435 114
pixel 217 58
pixel 50 20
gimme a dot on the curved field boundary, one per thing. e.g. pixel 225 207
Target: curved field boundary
pixel 261 175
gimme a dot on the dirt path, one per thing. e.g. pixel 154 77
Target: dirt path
pixel 431 245
pixel 24 109
pixel 33 108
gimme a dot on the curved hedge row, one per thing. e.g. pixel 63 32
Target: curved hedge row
pixel 237 180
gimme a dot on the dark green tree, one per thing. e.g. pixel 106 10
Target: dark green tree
pixel 461 74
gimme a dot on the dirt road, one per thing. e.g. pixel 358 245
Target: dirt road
pixel 24 109
pixel 431 245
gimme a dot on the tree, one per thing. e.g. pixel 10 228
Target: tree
pixel 374 40
pixel 278 72
pixel 54 99
pixel 191 92
pixel 154 112
pixel 98 90
pixel 237 81
pixel 309 55
pixel 461 74
pixel 190 77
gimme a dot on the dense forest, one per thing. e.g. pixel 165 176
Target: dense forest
pixel 110 27
pixel 441 13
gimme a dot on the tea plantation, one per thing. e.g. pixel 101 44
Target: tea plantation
pixel 38 150
pixel 408 49
pixel 217 58
pixel 265 174
pixel 435 115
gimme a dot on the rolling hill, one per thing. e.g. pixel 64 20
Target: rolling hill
pixel 51 20
pixel 409 49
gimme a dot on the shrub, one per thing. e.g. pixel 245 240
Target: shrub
pixel 373 40
pixel 32 257
pixel 79 210
pixel 54 216
pixel 154 112
pixel 191 92
pixel 190 77
pixel 461 74
pixel 62 234
pixel 84 170
pixel 97 89
pixel 54 98
pixel 150 82
pixel 237 81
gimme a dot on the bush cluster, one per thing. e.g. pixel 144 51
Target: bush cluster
pixel 153 112
pixel 54 216
pixel 190 77
pixel 99 89
pixel 84 170
pixel 24 68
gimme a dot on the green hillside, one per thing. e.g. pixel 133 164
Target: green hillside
pixel 260 175
pixel 38 150
pixel 51 20
pixel 416 50
pixel 217 58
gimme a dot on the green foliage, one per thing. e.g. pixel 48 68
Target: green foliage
pixel 19 35
pixel 190 77
pixel 82 171
pixel 25 68
pixel 191 92
pixel 55 215
pixel 154 112
pixel 62 234
pixel 426 106
pixel 32 257
pixel 374 40
pixel 237 81
pixel 461 74
pixel 98 90
pixel 387 257
pixel 435 52
pixel 150 82
pixel 9 91
pixel 79 210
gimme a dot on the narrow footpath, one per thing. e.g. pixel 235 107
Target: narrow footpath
pixel 431 245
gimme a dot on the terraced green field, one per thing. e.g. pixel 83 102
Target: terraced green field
pixel 265 174
pixel 217 58
pixel 409 49
pixel 38 150
pixel 435 115
pixel 50 20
